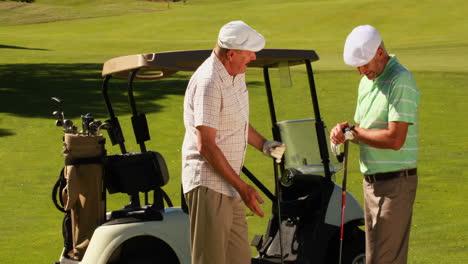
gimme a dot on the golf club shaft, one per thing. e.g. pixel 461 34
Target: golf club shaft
pixel 278 203
pixel 343 197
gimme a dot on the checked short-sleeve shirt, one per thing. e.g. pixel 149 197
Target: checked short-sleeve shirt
pixel 214 99
pixel 392 96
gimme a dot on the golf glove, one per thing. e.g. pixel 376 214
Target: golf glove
pixel 348 134
pixel 274 149
pixel 335 148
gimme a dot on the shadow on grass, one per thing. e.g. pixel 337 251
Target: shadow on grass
pixel 17 47
pixel 6 132
pixel 27 88
pixel 255 83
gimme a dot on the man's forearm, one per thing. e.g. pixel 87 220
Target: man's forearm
pixel 392 137
pixel 215 157
pixel 255 138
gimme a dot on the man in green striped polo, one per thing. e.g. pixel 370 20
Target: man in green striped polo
pixel 387 133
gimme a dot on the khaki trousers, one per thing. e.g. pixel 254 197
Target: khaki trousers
pixel 218 228
pixel 388 209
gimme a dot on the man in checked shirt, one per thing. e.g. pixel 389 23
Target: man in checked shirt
pixel 216 118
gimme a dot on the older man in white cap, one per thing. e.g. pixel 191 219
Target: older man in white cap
pixel 216 118
pixel 386 130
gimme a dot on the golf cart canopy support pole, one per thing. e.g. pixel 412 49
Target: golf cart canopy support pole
pixel 271 104
pixel 140 127
pixel 115 129
pixel 277 137
pixel 319 126
pixel 131 98
pixel 274 128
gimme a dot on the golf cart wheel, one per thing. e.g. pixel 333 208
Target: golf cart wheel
pixel 359 259
pixel 354 251
pixel 354 247
pixel 144 250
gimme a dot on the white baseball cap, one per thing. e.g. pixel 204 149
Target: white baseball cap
pixel 361 45
pixel 238 35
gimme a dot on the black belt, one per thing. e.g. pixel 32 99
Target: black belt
pixel 384 176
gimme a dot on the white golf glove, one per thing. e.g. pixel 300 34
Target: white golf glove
pixel 349 135
pixel 335 148
pixel 274 149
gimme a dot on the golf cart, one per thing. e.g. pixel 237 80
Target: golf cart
pixel 305 222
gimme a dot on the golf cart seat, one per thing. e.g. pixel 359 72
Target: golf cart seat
pixel 138 172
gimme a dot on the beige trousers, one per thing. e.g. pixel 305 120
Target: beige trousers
pixel 218 228
pixel 388 209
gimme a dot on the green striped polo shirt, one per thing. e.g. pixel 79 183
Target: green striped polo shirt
pixel 392 96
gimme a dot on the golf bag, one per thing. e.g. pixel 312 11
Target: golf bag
pixel 88 172
pixel 305 228
pixel 303 231
pixel 81 191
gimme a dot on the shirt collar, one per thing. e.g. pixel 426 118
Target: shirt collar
pixel 220 69
pixel 388 68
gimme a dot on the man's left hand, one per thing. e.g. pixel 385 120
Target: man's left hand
pixel 274 149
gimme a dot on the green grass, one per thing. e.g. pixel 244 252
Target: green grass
pixel 56 48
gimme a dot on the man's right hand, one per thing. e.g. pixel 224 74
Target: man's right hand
pixel 250 197
pixel 336 134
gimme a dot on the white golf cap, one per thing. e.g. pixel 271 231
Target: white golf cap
pixel 361 45
pixel 238 35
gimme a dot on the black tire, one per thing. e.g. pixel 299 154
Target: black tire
pixel 144 250
pixel 354 247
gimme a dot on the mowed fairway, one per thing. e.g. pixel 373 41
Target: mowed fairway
pixel 56 48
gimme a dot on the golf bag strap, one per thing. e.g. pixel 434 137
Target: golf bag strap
pixel 57 191
pixel 167 199
pixel 82 161
pixel 159 196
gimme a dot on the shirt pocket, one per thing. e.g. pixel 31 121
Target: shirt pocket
pixel 235 110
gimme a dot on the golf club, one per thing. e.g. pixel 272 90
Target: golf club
pixel 106 125
pixel 86 120
pixel 68 126
pixel 344 157
pixel 94 126
pixel 278 204
pixel 59 102
pixel 58 114
pixel 343 196
pixel 59 123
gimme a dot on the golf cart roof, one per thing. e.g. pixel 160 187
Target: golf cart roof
pixel 167 63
